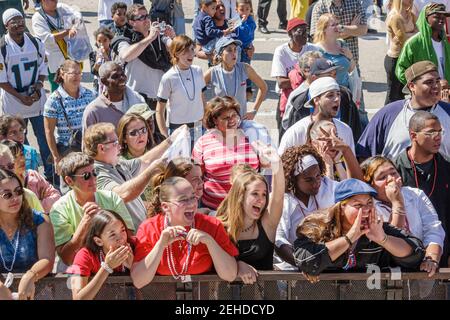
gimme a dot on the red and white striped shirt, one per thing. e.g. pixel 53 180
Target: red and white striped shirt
pixel 217 157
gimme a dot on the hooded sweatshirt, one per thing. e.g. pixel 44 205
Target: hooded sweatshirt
pixel 420 47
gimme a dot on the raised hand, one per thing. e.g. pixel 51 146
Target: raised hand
pixel 171 234
pixel 117 257
pixel 358 228
pixel 376 231
pixel 196 236
pixel 268 155
pixel 393 189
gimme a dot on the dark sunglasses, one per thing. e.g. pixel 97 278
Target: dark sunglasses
pixel 8 195
pixel 136 132
pixel 87 175
pixel 141 18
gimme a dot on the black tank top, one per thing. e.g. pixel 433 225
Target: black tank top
pixel 257 252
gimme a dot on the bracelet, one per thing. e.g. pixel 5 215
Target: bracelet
pixel 399 213
pixel 105 266
pixel 384 240
pixel 428 258
pixel 348 240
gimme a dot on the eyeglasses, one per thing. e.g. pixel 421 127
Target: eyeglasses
pixel 432 134
pixel 9 195
pixel 86 175
pixel 141 18
pixel 136 132
pixel 231 117
pixel 184 202
pixel 16 133
pixel 115 143
pixel 9 166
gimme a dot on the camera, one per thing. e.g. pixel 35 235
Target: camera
pixel 162 27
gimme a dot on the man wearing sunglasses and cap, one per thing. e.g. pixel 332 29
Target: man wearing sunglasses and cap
pixel 430 43
pixel 325 97
pixel 72 213
pixel 114 101
pixel 12 4
pixel 387 133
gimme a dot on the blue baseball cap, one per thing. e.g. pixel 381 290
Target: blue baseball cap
pixel 351 187
pixel 225 41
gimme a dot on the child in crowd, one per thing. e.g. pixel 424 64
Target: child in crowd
pixel 13 128
pixel 103 37
pixel 107 249
pixel 245 27
pixel 119 17
pixel 31 179
pixel 181 87
pixel 205 30
pixel 105 11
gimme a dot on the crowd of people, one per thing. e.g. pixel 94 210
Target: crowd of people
pixel 143 176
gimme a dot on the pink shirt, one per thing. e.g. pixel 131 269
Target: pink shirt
pixel 46 193
pixel 217 158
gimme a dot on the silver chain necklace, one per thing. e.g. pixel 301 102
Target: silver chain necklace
pixel 10 277
pixel 15 253
pixel 184 86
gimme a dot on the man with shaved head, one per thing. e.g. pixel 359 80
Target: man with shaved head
pixel 114 101
pixel 422 166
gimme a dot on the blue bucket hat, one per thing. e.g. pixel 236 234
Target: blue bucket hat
pixel 351 187
pixel 225 41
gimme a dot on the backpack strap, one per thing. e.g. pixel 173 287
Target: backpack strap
pixel 35 43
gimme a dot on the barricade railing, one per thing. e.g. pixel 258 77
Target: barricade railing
pixel 271 285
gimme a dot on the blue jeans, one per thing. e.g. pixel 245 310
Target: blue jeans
pixel 246 59
pixel 38 127
pixel 179 25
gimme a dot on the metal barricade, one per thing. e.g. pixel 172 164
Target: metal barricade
pixel 271 285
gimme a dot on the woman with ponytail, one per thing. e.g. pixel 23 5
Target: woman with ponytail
pixel 178 241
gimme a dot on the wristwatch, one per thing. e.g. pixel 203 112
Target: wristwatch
pixel 105 266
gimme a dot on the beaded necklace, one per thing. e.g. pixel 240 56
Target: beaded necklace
pixel 184 86
pixel 10 276
pixel 171 261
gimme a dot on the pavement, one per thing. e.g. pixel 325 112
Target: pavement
pixel 372 52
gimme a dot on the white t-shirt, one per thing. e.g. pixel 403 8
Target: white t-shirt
pixel 421 216
pixel 437 45
pixel 284 59
pixel 183 90
pixel 141 77
pixel 296 135
pixel 294 211
pixel 22 68
pixel 42 31
pixel 104 8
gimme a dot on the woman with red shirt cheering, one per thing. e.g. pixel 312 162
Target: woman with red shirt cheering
pixel 106 250
pixel 177 241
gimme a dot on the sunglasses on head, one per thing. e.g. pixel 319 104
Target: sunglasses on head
pixel 141 18
pixel 8 195
pixel 86 175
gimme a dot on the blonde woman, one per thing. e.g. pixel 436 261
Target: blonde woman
pixel 251 216
pixel 400 26
pixel 334 49
pixel 350 235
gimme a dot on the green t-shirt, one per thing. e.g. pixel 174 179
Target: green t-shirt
pixel 33 200
pixel 66 213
